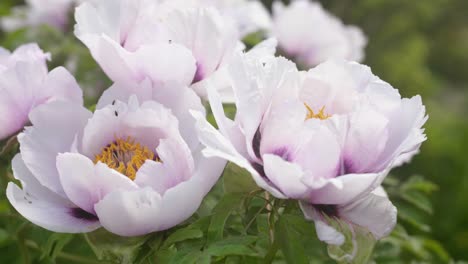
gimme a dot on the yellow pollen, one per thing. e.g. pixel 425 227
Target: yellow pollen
pixel 320 115
pixel 125 156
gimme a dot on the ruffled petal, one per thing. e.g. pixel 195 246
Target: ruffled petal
pixel 55 126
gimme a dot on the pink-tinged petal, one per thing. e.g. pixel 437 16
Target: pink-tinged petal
pixel 211 37
pixel 178 99
pixel 319 152
pixel 285 175
pixel 343 189
pixel 176 166
pixel 85 184
pixel 256 84
pixel 20 91
pixel 55 126
pixel 325 232
pixel 61 85
pixel 406 132
pixel 161 62
pixel 374 212
pixel 218 146
pixel 366 139
pixel 226 126
pixel 130 213
pixel 26 53
pixel 32 186
pixel 182 201
pixel 52 216
pixel 281 127
pixel 146 125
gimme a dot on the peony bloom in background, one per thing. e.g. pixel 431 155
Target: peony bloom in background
pixel 327 137
pixel 25 83
pixel 311 35
pixel 146 39
pixel 54 13
pixel 126 168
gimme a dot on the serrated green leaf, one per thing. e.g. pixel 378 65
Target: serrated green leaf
pixel 289 242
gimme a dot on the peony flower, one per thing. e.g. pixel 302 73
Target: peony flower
pixel 249 16
pixel 310 35
pixel 150 39
pixel 25 83
pixel 326 137
pixel 37 12
pixel 126 168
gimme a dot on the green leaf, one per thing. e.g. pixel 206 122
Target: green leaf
pixel 418 183
pixel 358 246
pixel 55 244
pixel 113 248
pixel 413 217
pixel 227 204
pixel 182 235
pixel 289 242
pixel 233 246
pixel 237 180
pixel 419 200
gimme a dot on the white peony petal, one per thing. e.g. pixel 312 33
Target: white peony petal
pixel 218 146
pixel 374 212
pixel 85 184
pixel 130 213
pixel 285 175
pixel 55 126
pixel 52 216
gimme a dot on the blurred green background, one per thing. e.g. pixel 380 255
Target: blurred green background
pixel 419 46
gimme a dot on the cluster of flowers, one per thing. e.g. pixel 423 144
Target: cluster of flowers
pixel 145 159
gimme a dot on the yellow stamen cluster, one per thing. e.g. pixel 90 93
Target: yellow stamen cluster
pixel 125 156
pixel 320 115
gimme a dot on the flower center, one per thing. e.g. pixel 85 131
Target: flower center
pixel 320 115
pixel 125 156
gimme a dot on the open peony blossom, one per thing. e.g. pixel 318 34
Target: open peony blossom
pixel 310 35
pixel 127 168
pixel 147 39
pixel 25 83
pixel 326 137
pixel 37 12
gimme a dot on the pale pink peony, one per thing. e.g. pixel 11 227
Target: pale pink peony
pixel 310 35
pixel 54 13
pixel 155 40
pixel 25 83
pixel 326 137
pixel 127 168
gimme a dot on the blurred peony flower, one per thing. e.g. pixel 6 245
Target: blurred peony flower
pixel 37 12
pixel 126 168
pixel 326 137
pixel 25 83
pixel 310 35
pixel 146 39
pixel 249 16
